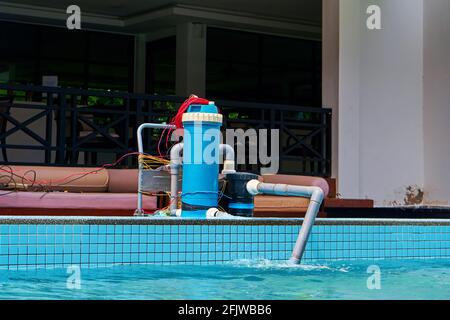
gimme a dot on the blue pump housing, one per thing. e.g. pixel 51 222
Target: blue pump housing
pixel 200 185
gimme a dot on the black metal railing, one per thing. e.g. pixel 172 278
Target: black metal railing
pixel 61 123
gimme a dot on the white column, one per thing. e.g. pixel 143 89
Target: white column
pixel 436 103
pixel 381 150
pixel 139 63
pixel 191 59
pixel 349 104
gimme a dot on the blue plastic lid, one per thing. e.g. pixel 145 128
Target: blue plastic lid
pixel 202 108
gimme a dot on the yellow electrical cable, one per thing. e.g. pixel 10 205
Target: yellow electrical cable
pixel 148 162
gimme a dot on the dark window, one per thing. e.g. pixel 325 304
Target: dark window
pixel 262 68
pixel 160 66
pixel 80 59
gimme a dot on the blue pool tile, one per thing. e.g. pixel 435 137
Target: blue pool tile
pixel 85 229
pixel 101 238
pixel 104 245
pixel 102 229
pixel 109 258
pixel 110 229
pixel 59 249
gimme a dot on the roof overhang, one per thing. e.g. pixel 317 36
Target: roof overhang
pixel 162 18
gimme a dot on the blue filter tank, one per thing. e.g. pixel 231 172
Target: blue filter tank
pixel 200 186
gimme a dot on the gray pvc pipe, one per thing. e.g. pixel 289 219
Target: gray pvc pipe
pixel 176 160
pixel 316 196
pixel 139 211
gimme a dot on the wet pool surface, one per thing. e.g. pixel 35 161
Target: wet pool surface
pixel 388 279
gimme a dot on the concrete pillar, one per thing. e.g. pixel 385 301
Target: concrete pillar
pixel 436 101
pixel 381 150
pixel 139 63
pixel 349 104
pixel 191 59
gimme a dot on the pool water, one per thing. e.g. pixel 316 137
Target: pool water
pixel 399 279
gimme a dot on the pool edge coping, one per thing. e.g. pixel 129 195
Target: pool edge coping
pixel 91 220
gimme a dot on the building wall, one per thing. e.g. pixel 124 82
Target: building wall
pixel 436 106
pixel 380 102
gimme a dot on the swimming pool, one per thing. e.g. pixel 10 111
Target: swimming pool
pixel 148 258
pixel 399 279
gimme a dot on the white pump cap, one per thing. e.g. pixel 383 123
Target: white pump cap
pixel 228 167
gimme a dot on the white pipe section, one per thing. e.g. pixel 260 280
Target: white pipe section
pixel 176 160
pixel 139 211
pixel 316 196
pixel 214 213
pixel 228 164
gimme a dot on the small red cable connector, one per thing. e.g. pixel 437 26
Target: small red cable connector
pixel 177 120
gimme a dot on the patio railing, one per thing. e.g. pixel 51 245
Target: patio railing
pixel 54 126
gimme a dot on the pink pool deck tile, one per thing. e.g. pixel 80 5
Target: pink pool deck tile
pixel 66 200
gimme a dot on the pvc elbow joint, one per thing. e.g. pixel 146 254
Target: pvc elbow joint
pixel 214 213
pixel 317 195
pixel 252 187
pixel 175 155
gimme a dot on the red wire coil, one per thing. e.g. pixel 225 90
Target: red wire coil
pixel 177 120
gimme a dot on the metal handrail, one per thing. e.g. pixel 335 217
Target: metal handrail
pixel 304 131
pixel 140 211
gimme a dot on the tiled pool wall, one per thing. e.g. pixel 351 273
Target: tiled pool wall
pixel 44 242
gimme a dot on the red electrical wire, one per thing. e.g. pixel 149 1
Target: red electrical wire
pixel 78 175
pixel 177 120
